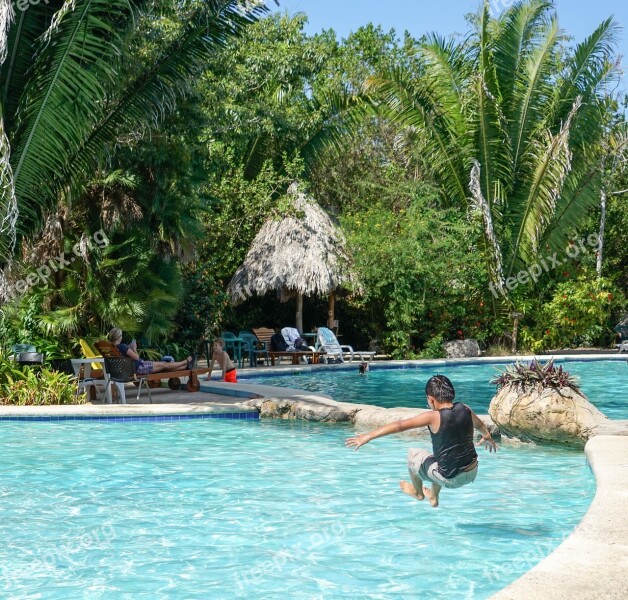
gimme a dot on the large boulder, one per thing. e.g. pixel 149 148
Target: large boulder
pixel 545 414
pixel 462 348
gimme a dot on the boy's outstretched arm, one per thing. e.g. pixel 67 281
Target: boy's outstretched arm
pixel 422 420
pixel 487 440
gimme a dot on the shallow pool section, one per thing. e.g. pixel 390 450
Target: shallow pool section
pixel 265 510
pixel 605 383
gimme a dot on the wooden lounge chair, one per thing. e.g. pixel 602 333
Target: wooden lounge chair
pixel 264 334
pixel 154 380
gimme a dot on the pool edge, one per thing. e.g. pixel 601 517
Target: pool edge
pixel 592 561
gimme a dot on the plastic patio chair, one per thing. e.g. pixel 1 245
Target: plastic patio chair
pixel 233 343
pixel 17 348
pixel 64 365
pixel 254 348
pixel 622 330
pixel 30 359
pixel 120 370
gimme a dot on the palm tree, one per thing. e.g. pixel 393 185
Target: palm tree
pixel 511 124
pixel 64 103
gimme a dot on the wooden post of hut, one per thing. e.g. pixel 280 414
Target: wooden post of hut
pixel 299 315
pixel 331 310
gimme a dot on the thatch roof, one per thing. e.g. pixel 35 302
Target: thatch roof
pixel 304 252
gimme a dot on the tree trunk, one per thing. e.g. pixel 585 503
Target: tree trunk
pixel 330 310
pixel 602 226
pixel 299 316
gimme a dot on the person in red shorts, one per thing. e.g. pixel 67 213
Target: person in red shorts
pixel 224 362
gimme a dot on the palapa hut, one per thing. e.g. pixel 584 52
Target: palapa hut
pixel 302 254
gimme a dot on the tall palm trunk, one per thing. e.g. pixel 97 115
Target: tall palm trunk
pixel 8 202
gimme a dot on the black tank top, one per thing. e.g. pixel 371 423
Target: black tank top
pixel 453 444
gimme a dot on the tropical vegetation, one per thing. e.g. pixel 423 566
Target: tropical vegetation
pixel 452 165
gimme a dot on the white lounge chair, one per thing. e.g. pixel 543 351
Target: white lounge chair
pixel 622 330
pixel 328 342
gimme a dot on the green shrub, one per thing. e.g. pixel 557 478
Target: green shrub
pixel 578 314
pixel 32 386
pixel 434 348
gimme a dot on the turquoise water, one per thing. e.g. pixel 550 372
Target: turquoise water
pixel 265 510
pixel 605 383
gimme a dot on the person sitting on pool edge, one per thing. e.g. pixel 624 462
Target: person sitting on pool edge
pixel 454 461
pixel 146 367
pixel 224 362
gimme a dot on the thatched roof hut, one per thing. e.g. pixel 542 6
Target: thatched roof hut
pixel 302 254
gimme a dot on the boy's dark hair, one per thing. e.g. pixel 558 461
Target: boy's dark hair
pixel 441 388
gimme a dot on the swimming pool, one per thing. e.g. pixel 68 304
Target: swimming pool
pixel 604 382
pixel 265 510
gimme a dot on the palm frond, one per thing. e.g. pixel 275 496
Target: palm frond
pixel 344 114
pixel 26 29
pixel 551 157
pixel 517 32
pixel 580 195
pixel 407 102
pixel 592 64
pixel 533 87
pixel 146 100
pixel 488 120
pixel 76 58
pixel 448 71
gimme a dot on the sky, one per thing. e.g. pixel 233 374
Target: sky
pixel 578 18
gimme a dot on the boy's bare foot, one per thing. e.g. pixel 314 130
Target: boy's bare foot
pixel 408 488
pixel 430 496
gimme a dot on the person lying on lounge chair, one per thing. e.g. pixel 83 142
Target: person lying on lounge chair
pixel 146 367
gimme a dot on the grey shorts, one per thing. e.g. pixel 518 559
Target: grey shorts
pixel 423 463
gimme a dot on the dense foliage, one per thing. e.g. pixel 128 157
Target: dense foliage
pixel 31 386
pixel 452 166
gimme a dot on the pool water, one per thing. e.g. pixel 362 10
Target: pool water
pixel 605 383
pixel 265 510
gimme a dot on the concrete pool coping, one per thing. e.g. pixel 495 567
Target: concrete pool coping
pixel 591 562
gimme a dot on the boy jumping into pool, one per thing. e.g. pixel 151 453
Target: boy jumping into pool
pixel 224 362
pixel 454 462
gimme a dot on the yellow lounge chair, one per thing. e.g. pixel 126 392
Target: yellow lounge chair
pixel 88 352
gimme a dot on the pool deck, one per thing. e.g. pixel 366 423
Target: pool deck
pixel 592 562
